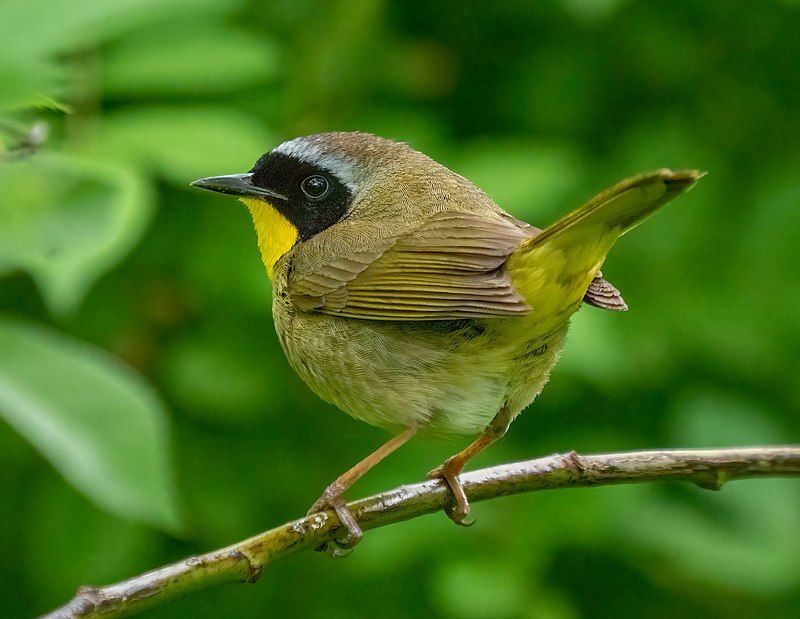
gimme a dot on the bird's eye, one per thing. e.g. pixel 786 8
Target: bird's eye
pixel 315 187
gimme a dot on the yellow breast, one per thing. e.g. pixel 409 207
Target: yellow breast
pixel 276 234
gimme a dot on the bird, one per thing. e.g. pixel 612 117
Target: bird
pixel 403 295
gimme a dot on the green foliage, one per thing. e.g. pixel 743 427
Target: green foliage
pixel 528 179
pixel 206 59
pixel 182 142
pixel 93 418
pixel 66 221
pixel 753 540
pixel 104 245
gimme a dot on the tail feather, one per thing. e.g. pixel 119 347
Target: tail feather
pixel 621 207
pixel 603 294
pixel 571 251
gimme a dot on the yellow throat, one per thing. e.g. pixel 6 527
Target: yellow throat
pixel 276 234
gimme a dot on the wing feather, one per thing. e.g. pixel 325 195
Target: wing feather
pixel 450 267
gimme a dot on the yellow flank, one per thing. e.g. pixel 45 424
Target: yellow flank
pixel 276 234
pixel 553 275
pixel 551 283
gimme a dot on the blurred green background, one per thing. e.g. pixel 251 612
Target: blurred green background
pixel 150 414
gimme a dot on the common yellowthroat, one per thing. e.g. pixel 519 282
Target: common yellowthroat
pixel 406 297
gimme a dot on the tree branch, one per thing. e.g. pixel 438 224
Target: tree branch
pixel 244 561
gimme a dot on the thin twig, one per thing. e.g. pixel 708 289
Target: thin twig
pixel 244 561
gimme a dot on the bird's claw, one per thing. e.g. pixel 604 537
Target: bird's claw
pixel 458 516
pixel 339 547
pixel 459 509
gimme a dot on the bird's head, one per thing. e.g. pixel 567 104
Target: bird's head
pixel 307 184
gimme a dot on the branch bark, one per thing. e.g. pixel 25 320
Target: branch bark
pixel 244 561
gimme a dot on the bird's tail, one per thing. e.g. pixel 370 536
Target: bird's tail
pixel 553 269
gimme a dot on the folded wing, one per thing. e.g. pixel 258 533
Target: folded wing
pixel 450 267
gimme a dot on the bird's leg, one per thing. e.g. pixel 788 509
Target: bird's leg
pixel 452 467
pixel 332 497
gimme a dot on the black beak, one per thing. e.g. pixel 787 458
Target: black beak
pixel 237 185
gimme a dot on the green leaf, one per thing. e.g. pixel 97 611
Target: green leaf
pixel 36 28
pixel 206 58
pixel 94 419
pixel 67 221
pixel 27 82
pixel 183 144
pixel 33 31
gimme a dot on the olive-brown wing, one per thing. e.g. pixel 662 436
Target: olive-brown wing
pixel 449 267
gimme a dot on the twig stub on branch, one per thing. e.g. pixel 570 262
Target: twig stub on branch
pixel 244 561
